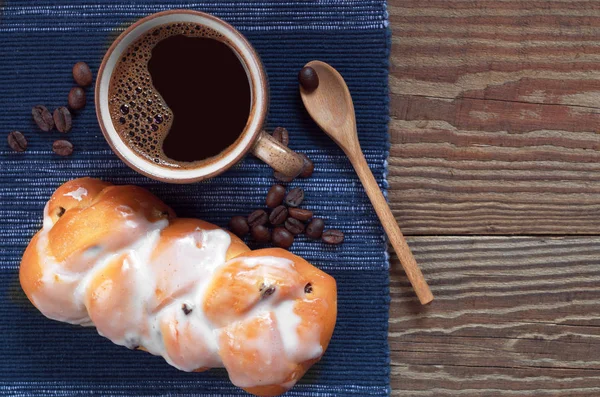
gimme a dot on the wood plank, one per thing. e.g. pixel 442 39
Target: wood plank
pixel 513 316
pixel 503 49
pixel 495 113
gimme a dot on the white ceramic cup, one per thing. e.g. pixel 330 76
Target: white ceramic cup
pixel 252 138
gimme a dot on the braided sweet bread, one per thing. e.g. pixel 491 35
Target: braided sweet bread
pixel 117 258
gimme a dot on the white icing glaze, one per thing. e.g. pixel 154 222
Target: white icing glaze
pixel 78 193
pixel 184 268
pixel 288 322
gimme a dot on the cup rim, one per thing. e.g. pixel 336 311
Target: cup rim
pixel 224 160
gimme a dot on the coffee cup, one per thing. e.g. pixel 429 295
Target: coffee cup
pixel 251 138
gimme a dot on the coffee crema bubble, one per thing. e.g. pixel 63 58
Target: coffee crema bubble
pixel 142 117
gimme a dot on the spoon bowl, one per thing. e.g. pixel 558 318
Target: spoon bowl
pixel 330 104
pixel 334 111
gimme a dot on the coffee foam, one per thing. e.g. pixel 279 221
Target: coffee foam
pixel 139 114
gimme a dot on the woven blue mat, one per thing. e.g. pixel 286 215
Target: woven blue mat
pixel 41 41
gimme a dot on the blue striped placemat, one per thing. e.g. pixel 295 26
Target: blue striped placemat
pixel 41 41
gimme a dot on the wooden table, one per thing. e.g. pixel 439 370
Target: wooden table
pixel 495 177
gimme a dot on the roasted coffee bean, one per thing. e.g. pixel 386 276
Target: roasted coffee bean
pixel 261 234
pixel 308 168
pixel 275 196
pixel 300 214
pixel 278 215
pixel 315 228
pixel 294 197
pixel 282 177
pixel 62 119
pixel 239 226
pixel 282 238
pixel 333 236
pixel 62 147
pixel 282 135
pixel 42 117
pixel 82 74
pixel 308 79
pixel 294 226
pixel 258 217
pixel 76 98
pixel 17 141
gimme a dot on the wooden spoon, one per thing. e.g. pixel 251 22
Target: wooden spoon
pixel 330 105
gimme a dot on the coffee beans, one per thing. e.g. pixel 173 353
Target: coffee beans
pixel 282 238
pixel 294 197
pixel 278 215
pixel 17 141
pixel 261 234
pixel 82 74
pixel 308 79
pixel 282 135
pixel 239 226
pixel 333 236
pixel 62 147
pixel 275 196
pixel 42 117
pixel 294 226
pixel 308 168
pixel 257 218
pixel 46 121
pixel 286 218
pixel 315 228
pixel 62 119
pixel 76 98
pixel 300 214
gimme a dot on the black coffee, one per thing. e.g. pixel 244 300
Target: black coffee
pixel 179 95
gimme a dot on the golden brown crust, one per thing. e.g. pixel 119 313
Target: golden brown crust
pixel 62 200
pixel 30 272
pixel 84 214
pixel 82 227
pixel 323 287
pixel 88 213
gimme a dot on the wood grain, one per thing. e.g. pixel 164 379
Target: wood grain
pixel 513 316
pixel 495 114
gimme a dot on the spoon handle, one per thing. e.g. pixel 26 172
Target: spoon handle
pixel 409 264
